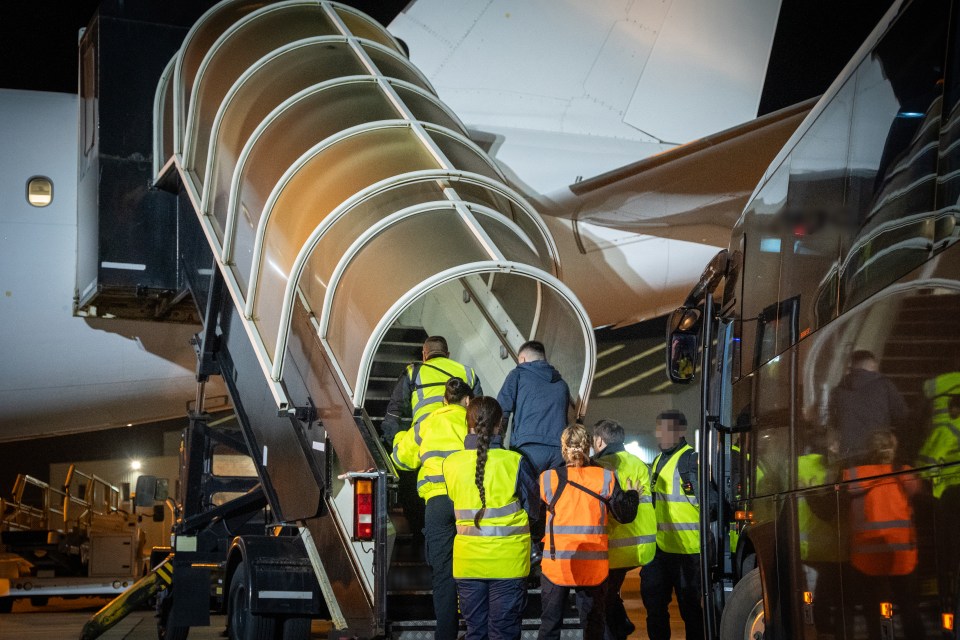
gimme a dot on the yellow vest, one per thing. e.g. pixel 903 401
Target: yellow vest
pixel 819 541
pixel 500 547
pixel 428 381
pixel 438 436
pixel 678 515
pixel 942 446
pixel 634 543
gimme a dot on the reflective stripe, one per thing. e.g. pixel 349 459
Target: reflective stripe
pixel 646 499
pixel 436 454
pixel 673 498
pixel 678 526
pixel 580 555
pixel 885 548
pixel 575 529
pixel 425 402
pixel 426 479
pixel 890 524
pixel 607 483
pixel 468 530
pixel 396 459
pixel 629 542
pixel 470 514
pixel 548 487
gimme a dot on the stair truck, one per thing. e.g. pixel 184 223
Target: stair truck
pixel 313 204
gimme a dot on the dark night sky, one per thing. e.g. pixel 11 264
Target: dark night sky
pixel 815 38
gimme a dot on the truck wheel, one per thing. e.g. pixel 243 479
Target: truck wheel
pixel 164 631
pixel 297 628
pixel 743 615
pixel 245 625
pixel 6 605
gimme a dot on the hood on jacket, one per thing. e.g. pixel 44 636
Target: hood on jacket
pixel 542 369
pixel 860 378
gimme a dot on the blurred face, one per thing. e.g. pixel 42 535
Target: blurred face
pixel 669 433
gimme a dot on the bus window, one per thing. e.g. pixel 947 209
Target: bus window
pixel 894 143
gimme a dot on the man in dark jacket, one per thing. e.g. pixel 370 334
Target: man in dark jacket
pixel 864 403
pixel 538 398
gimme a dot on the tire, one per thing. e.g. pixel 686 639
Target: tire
pixel 245 625
pixel 39 601
pixel 6 605
pixel 296 629
pixel 743 617
pixel 165 632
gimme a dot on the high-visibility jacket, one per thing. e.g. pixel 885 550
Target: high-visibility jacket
pixel 818 538
pixel 938 390
pixel 500 546
pixel 942 446
pixel 575 542
pixel 883 540
pixel 678 511
pixel 440 434
pixel 632 544
pixel 428 382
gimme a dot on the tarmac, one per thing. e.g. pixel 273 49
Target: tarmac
pixel 63 620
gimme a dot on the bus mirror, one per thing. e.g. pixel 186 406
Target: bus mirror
pixel 146 488
pixel 681 357
pixel 150 490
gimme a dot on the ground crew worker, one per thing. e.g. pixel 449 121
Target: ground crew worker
pixel 439 435
pixel 942 447
pixel 633 544
pixel 419 390
pixel 494 495
pixel 816 525
pixel 676 563
pixel 575 544
pixel 883 536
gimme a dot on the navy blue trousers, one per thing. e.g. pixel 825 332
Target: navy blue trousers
pixel 439 531
pixel 493 608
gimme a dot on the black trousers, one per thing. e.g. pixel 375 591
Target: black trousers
pixel 666 574
pixel 439 530
pixel 590 606
pixel 618 622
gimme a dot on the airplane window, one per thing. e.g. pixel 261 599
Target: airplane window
pixel 39 191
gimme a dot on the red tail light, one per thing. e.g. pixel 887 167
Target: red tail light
pixel 363 509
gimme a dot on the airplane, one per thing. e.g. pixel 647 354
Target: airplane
pixel 554 92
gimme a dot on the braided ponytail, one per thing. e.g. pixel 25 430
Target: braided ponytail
pixel 483 418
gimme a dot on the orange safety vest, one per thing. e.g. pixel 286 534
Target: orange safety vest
pixel 883 536
pixel 575 553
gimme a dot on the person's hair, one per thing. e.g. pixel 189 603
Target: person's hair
pixel 456 390
pixel 436 346
pixel 534 350
pixel 575 445
pixel 883 445
pixel 861 356
pixel 610 431
pixel 674 416
pixel 483 417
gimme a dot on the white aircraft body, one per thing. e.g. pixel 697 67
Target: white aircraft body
pixel 557 91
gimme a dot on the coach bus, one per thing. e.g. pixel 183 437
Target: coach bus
pixel 828 341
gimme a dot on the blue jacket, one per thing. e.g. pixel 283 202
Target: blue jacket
pixel 538 398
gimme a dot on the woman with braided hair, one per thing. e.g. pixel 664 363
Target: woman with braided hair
pixel 439 435
pixel 494 499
